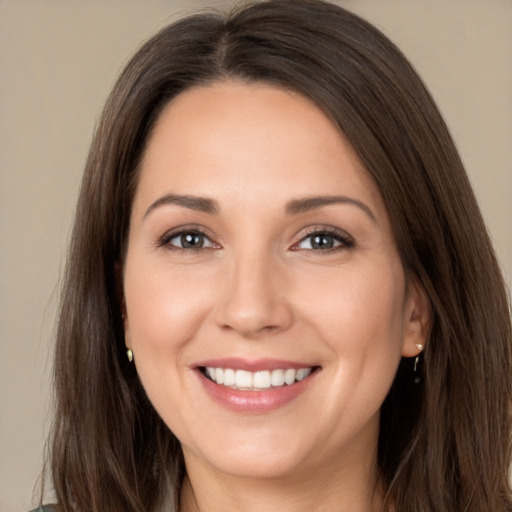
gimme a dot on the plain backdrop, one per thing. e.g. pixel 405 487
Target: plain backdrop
pixel 58 61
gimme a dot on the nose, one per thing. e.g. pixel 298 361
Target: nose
pixel 253 299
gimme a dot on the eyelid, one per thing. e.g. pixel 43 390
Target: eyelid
pixel 164 240
pixel 347 241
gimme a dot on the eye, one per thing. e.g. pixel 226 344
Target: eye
pixel 324 240
pixel 189 240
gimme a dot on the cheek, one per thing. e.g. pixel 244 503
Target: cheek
pixel 359 312
pixel 164 305
pixel 165 308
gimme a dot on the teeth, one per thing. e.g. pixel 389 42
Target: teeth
pixel 242 379
pixel 277 378
pixel 303 373
pixel 229 377
pixel 289 376
pixel 261 380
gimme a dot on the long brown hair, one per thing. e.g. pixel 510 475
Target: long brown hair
pixel 444 443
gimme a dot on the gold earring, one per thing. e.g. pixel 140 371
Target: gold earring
pixel 129 353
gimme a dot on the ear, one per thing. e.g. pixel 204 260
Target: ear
pixel 417 319
pixel 122 302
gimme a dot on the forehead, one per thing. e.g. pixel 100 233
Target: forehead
pixel 249 140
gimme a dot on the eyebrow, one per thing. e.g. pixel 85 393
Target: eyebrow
pixel 307 204
pixel 294 207
pixel 200 204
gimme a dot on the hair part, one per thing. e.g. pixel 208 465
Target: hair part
pixel 444 444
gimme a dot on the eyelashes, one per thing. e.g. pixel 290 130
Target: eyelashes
pixel 318 239
pixel 324 240
pixel 190 239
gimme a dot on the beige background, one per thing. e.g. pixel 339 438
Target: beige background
pixel 58 59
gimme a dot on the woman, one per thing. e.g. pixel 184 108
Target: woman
pixel 280 291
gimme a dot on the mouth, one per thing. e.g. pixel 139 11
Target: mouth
pixel 255 386
pixel 244 380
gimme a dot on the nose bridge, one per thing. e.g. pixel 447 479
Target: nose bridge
pixel 253 300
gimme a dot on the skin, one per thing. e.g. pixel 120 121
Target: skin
pixel 257 289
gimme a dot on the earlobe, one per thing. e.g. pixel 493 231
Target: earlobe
pixel 417 319
pixel 127 336
pixel 127 341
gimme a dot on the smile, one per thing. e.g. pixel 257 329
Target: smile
pixel 254 386
pixel 254 381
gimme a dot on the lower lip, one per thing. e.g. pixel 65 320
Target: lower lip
pixel 254 402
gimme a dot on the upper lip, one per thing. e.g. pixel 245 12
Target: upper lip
pixel 252 365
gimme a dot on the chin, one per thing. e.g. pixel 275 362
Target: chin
pixel 271 458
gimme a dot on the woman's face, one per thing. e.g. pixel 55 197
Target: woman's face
pixel 265 301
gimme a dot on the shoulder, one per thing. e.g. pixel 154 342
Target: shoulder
pixel 44 508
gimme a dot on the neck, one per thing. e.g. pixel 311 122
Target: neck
pixel 351 487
